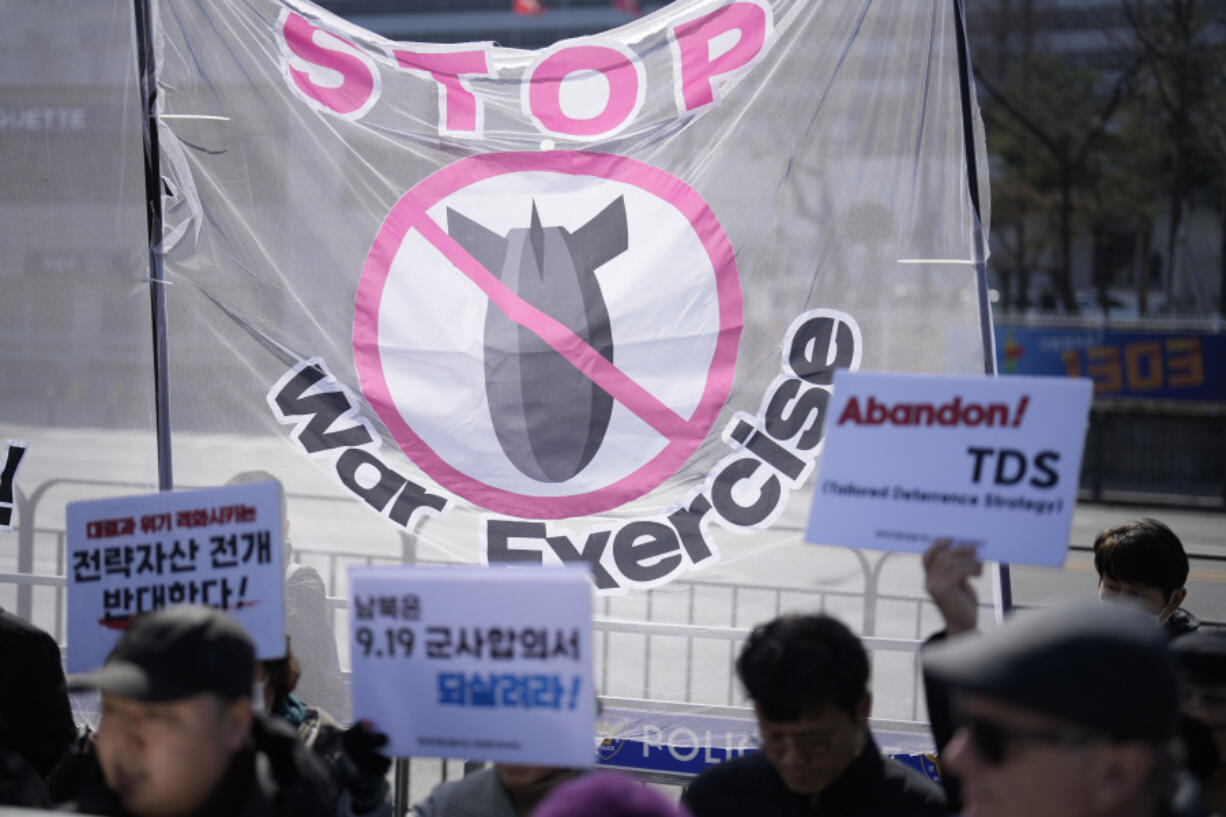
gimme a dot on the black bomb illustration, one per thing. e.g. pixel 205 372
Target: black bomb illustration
pixel 549 417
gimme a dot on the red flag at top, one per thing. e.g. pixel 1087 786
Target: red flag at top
pixel 527 7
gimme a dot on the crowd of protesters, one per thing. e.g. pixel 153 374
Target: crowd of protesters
pixel 1099 710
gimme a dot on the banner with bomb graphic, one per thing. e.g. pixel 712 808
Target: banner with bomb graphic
pixel 576 305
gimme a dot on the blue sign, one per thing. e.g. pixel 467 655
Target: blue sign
pixel 1133 365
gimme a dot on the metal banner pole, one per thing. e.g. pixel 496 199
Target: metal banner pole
pixel 146 66
pixel 1004 589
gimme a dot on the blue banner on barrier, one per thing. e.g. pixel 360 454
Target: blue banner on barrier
pixel 632 740
pixel 1140 365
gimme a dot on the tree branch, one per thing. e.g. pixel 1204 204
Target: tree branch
pixel 1020 117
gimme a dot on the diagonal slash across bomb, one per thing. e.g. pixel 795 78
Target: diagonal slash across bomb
pixel 646 406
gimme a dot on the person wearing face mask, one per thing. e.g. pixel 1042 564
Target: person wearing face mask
pixel 1140 562
pixel 353 756
pixel 1143 563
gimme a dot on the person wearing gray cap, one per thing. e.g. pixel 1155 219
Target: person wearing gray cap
pixel 178 737
pixel 1063 713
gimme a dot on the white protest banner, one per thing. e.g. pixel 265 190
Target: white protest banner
pixel 475 662
pixel 912 458
pixel 580 304
pixel 133 554
pixel 583 303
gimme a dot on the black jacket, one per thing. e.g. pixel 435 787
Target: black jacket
pixel 273 776
pixel 871 785
pixel 33 697
pixel 939 698
pixel 20 785
pixel 1180 622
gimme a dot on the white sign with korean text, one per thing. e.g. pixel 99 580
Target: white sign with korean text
pixel 485 663
pixel 133 554
pixel 912 458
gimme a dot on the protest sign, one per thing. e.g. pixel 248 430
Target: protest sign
pixel 480 663
pixel 913 458
pixel 133 554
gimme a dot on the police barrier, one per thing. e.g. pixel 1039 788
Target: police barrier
pixel 693 744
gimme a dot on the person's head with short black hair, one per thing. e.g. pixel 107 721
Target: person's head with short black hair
pixel 800 664
pixel 808 678
pixel 176 708
pixel 1142 562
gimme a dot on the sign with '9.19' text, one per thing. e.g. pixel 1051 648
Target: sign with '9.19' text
pixel 482 663
pixel 910 459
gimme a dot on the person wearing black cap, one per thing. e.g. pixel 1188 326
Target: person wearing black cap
pixel 808 678
pixel 178 737
pixel 1063 713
